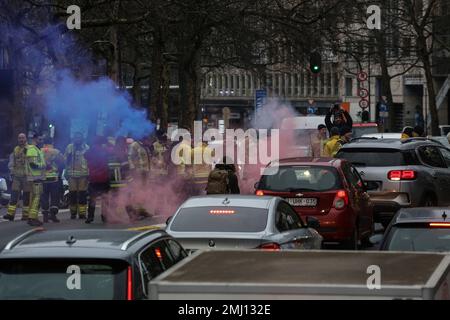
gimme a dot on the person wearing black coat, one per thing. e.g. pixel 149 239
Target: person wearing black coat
pixel 342 119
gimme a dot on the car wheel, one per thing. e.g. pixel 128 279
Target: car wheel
pixel 353 242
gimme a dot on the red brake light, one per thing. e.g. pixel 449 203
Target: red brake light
pixel 259 193
pixel 398 175
pixel 222 212
pixel 129 283
pixel 272 246
pixel 341 199
pixel 440 225
pixel 408 175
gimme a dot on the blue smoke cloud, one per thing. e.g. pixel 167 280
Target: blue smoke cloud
pixel 60 65
pixel 90 100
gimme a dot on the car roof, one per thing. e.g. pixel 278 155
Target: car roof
pixel 89 243
pixel 262 202
pixel 304 161
pixel 422 215
pixel 405 144
pixel 380 135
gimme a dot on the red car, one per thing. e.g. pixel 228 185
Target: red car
pixel 330 190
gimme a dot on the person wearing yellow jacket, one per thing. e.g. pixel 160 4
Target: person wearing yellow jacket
pixel 17 165
pixel 333 144
pixel 77 173
pixel 51 195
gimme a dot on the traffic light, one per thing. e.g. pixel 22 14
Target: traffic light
pixel 315 62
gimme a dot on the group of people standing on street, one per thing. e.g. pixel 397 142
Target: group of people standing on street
pixel 38 168
pixel 338 124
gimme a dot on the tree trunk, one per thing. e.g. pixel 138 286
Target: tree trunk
pixel 165 90
pixel 189 94
pixel 385 80
pixel 137 90
pixel 431 97
pixel 155 82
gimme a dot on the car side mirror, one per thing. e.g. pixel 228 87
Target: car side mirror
pixel 168 220
pixel 312 222
pixel 370 185
pixel 256 185
pixel 376 239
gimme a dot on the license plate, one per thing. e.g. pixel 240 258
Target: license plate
pixel 302 202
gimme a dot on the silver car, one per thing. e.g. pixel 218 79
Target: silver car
pixel 242 222
pixel 405 173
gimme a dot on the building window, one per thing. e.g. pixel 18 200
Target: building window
pixel 348 87
pixel 336 84
pixel 316 85
pixel 322 84
pixel 328 84
pixel 406 52
pixel 308 85
pixel 296 84
pixel 302 85
pixel 289 84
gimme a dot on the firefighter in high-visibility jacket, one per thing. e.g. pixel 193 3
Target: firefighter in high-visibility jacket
pixel 35 172
pixel 51 187
pixel 139 158
pixel 17 167
pixel 118 164
pixel 200 168
pixel 77 173
pixel 159 167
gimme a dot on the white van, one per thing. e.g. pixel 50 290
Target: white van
pixel 301 129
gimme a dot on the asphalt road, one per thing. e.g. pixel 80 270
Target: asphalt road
pixel 10 230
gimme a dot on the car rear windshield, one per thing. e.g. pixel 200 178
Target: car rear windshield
pixel 50 279
pixel 375 157
pixel 220 219
pixel 419 238
pixel 301 178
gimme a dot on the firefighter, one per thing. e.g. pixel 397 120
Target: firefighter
pixel 19 180
pixel 139 158
pixel 99 181
pixel 77 174
pixel 200 170
pixel 51 188
pixel 118 163
pixel 333 144
pixel 35 172
pixel 159 168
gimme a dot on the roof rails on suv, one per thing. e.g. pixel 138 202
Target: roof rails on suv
pixel 363 138
pixel 22 237
pixel 415 139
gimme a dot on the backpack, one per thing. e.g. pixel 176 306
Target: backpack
pixel 217 182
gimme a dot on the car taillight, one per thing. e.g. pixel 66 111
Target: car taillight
pixel 272 246
pixel 129 284
pixel 341 199
pixel 259 192
pixel 440 225
pixel 399 175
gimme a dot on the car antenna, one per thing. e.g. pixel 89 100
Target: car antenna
pixel 71 240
